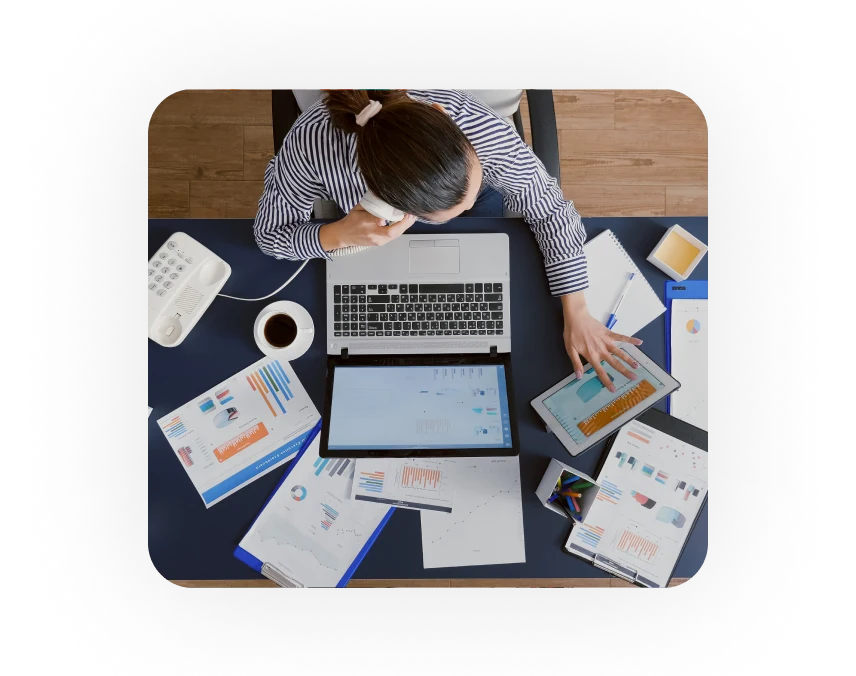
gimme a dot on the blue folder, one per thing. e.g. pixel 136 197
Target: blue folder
pixel 689 289
pixel 256 564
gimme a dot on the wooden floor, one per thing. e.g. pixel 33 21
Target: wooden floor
pixel 623 153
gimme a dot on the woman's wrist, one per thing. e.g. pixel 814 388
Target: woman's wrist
pixel 574 304
pixel 328 235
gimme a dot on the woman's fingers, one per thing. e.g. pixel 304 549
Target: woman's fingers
pixel 604 378
pixel 623 356
pixel 621 338
pixel 618 366
pixel 577 362
pixel 397 229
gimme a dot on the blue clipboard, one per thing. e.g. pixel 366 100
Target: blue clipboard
pixel 696 289
pixel 256 564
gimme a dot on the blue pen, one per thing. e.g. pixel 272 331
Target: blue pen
pixel 570 505
pixel 568 482
pixel 613 318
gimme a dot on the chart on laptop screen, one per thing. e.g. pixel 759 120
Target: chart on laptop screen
pixel 391 407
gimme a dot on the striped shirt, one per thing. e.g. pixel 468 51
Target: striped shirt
pixel 318 161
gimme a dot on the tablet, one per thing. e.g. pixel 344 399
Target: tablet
pixel 419 406
pixel 583 412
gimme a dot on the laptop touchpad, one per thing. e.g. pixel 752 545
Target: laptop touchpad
pixel 435 256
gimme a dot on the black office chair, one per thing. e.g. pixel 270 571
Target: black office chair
pixel 542 118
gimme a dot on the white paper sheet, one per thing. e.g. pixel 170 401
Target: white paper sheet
pixel 651 490
pixel 486 526
pixel 245 427
pixel 689 360
pixel 409 483
pixel 311 530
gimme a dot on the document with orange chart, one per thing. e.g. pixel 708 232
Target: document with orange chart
pixel 406 482
pixel 651 489
pixel 241 429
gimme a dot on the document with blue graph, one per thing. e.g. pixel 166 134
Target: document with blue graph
pixel 241 429
pixel 651 489
pixel 310 531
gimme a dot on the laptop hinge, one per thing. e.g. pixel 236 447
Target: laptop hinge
pixel 344 353
pixel 493 350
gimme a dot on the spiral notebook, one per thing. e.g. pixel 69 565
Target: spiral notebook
pixel 609 266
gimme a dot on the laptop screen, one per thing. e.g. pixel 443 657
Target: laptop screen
pixel 419 407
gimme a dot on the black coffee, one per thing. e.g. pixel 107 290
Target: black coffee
pixel 280 331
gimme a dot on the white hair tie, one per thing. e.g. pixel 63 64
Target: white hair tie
pixel 368 112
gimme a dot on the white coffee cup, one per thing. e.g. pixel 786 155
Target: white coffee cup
pixel 292 316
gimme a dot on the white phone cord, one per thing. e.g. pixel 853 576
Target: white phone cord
pixel 344 251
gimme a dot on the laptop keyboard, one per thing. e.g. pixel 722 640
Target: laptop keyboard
pixel 372 310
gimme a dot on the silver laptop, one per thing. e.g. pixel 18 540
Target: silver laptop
pixel 421 294
pixel 418 344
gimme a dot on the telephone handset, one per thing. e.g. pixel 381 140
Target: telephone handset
pixel 376 207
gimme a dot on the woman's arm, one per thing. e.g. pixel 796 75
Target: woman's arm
pixel 283 228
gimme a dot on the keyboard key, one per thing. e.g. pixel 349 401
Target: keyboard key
pixel 491 324
pixel 403 288
pixel 423 297
pixel 375 326
pixel 460 298
pixel 488 288
pixel 419 307
pixel 372 287
pixel 373 317
pixel 490 332
pixel 456 307
pixel 363 326
pixel 387 326
pixel 420 316
pixel 479 288
pixel 469 288
pixel 361 317
pixel 432 298
pixel 497 287
pixel 499 325
pixel 355 299
pixel 482 332
pixel 496 315
pixel 481 325
pixel 387 333
pixel 453 325
pixel 471 325
pixel 393 286
pixel 444 325
pixel 479 297
pixel 337 327
pixel 441 297
pixel 375 308
pixel 439 288
pixel 425 326
pixel 394 299
pixel 493 306
pixel 337 288
pixel 384 317
pixel 435 325
pixel 430 333
pixel 362 334
pixel 437 307
pixel 346 289
pixel 446 333
pixel 346 334
pixel 375 299
pixel 381 288
pixel 492 297
pixel 470 298
pixel 396 326
pixel 405 326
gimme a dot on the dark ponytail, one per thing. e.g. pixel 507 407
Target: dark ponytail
pixel 411 155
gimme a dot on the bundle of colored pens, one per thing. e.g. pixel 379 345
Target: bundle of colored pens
pixel 568 493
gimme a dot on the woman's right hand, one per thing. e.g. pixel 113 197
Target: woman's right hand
pixel 360 228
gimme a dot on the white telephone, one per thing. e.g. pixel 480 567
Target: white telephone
pixel 184 277
pixel 376 207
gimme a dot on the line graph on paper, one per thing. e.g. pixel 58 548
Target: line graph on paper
pixel 486 526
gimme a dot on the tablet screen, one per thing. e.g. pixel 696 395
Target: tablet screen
pixel 419 407
pixel 584 407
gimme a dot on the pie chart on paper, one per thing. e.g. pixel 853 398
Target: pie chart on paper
pixel 693 326
pixel 298 493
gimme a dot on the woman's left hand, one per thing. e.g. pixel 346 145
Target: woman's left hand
pixel 586 336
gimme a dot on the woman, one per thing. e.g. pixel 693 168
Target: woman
pixel 427 153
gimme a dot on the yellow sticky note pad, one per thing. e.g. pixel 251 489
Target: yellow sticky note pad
pixel 677 253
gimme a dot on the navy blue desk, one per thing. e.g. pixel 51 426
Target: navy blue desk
pixel 188 542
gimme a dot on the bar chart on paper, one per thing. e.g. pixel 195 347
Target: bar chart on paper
pixel 642 547
pixel 406 482
pixel 271 383
pixel 337 467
